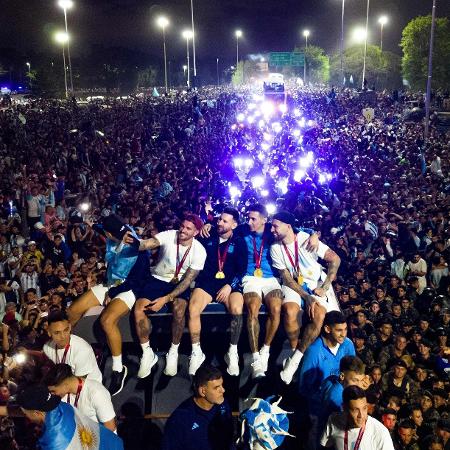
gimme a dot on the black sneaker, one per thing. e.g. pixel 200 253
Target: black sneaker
pixel 117 381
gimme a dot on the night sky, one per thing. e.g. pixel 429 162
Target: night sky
pixel 267 24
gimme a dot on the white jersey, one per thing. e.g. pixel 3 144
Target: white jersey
pixel 80 357
pixel 164 269
pixel 94 402
pixel 376 436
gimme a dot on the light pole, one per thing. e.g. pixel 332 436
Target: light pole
pixel 62 38
pixel 382 21
pixel 365 44
pixel 193 41
pixel 29 73
pixel 187 34
pixel 430 73
pixel 342 41
pixel 306 34
pixel 217 70
pixel 65 5
pixel 162 22
pixel 238 34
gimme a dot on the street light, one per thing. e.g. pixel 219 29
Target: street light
pixel 342 41
pixel 193 41
pixel 65 5
pixel 217 70
pixel 188 34
pixel 62 38
pixel 306 34
pixel 238 34
pixel 29 72
pixel 359 35
pixel 383 20
pixel 365 45
pixel 162 22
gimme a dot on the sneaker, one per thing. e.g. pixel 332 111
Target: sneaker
pixel 117 381
pixel 195 361
pixel 289 369
pixel 257 369
pixel 171 363
pixel 232 360
pixel 264 358
pixel 148 360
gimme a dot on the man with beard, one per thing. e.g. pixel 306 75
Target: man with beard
pixel 220 281
pixel 304 281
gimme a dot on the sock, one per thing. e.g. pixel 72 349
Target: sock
pixel 195 348
pixel 117 363
pixel 297 357
pixel 265 348
pixel 146 347
pixel 233 348
pixel 256 356
pixel 174 347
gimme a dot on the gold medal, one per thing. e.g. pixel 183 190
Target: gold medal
pixel 258 273
pixel 300 279
pixel 220 275
pixel 175 280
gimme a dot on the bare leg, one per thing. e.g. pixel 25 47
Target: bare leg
pixel 179 319
pixel 312 330
pixel 143 324
pixel 79 307
pixel 291 322
pixel 253 302
pixel 197 303
pixel 109 320
pixel 273 303
pixel 235 306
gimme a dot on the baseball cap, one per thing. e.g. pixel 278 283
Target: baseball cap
pixel 400 362
pixel 37 397
pixel 359 334
pixel 115 225
pixel 285 217
pixel 444 424
pixel 31 243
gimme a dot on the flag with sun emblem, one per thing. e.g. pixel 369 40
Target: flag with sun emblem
pixel 67 429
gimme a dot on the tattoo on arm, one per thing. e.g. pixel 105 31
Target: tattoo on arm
pixel 149 244
pixel 288 281
pixel 184 284
pixel 334 262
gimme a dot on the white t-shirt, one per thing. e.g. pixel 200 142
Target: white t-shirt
pixel 94 402
pixel 376 436
pixel 310 268
pixel 165 267
pixel 80 357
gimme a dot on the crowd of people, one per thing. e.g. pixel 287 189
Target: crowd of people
pixel 335 220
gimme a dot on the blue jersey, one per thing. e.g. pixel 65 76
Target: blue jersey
pixel 331 401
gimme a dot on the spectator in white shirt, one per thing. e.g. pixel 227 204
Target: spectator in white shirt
pixel 417 267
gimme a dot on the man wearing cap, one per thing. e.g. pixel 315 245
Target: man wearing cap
pixel 63 426
pixel 181 258
pixel 397 381
pixel 304 283
pixel 359 338
pixel 404 437
pixel 220 281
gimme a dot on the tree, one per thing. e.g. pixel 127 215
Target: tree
pixel 382 68
pixel 317 64
pixel 238 76
pixel 415 46
pixel 147 77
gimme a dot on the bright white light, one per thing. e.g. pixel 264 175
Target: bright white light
pixel 257 97
pixel 265 146
pixel 328 176
pixel 383 20
pixel 251 106
pixel 277 127
pixel 240 117
pixel 20 358
pixel 304 162
pixel 233 127
pixel 283 108
pixel 359 35
pixel 310 156
pixel 306 33
pixel 301 122
pixel 84 207
pixel 298 175
pixel 322 178
pixel 267 137
pixel 250 119
pixel 234 191
pixel 282 185
pixel 261 123
pixel 271 208
pixel 273 171
pixel 257 182
pixel 162 22
pixel 187 34
pixel 296 133
pixel 261 156
pixel 248 163
pixel 310 123
pixel 297 112
pixel 61 37
pixel 264 193
pixel 238 33
pixel 65 4
pixel 238 163
pixel 267 108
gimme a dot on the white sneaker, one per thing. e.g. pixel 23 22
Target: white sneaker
pixel 257 369
pixel 195 361
pixel 148 360
pixel 232 360
pixel 264 358
pixel 171 363
pixel 289 369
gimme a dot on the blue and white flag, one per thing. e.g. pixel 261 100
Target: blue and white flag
pixel 65 428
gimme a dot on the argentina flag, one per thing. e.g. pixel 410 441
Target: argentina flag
pixel 65 428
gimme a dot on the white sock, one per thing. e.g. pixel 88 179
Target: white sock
pixel 196 348
pixel 117 363
pixel 297 357
pixel 265 348
pixel 174 347
pixel 146 347
pixel 256 356
pixel 233 348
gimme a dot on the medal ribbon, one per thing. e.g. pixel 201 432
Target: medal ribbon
pixel 66 350
pixel 183 259
pixel 223 257
pixel 358 439
pixel 77 396
pixel 257 254
pixel 295 265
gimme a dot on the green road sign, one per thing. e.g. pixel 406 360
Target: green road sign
pixel 286 59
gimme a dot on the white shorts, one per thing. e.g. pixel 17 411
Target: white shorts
pixel 261 286
pixel 100 292
pixel 329 302
pixel 128 298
